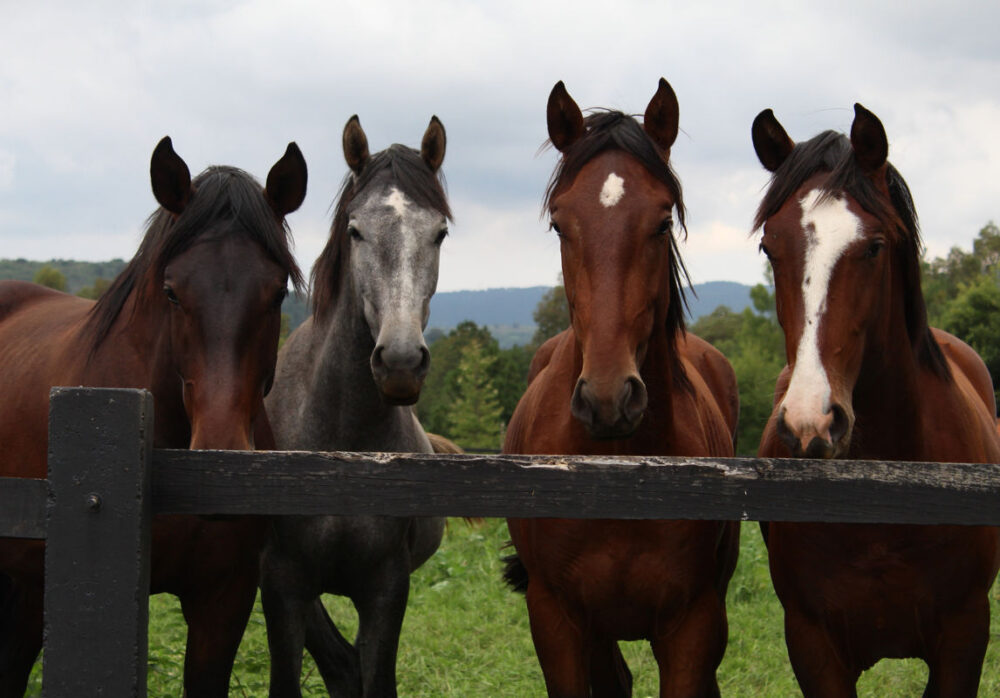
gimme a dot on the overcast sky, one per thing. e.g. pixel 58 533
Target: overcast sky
pixel 87 90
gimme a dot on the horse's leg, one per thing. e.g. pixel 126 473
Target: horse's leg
pixel 690 654
pixel 335 657
pixel 20 636
pixel 285 608
pixel 817 660
pixel 216 617
pixel 559 644
pixel 381 605
pixel 956 660
pixel 609 674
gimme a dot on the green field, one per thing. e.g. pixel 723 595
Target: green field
pixel 466 635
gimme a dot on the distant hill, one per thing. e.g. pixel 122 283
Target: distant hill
pixel 711 294
pixel 505 311
pixel 78 274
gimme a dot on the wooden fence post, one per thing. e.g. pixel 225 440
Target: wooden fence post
pixel 97 552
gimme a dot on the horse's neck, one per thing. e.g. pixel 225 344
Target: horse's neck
pixel 136 354
pixel 345 408
pixel 889 404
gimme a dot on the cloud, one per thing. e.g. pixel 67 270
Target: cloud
pixel 89 90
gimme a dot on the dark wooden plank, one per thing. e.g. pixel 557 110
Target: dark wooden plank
pixel 22 507
pixel 219 482
pixel 97 552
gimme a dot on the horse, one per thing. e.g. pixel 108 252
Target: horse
pixel 868 378
pixel 626 379
pixel 194 318
pixel 346 380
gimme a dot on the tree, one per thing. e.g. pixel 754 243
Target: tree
pixel 96 291
pixel 974 316
pixel 551 314
pixel 51 277
pixel 474 416
pixel 962 295
pixel 441 385
pixel 754 344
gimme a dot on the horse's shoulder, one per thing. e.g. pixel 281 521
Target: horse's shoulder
pixel 544 354
pixel 964 358
pixel 717 373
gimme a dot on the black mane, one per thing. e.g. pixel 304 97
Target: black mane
pixel 223 196
pixel 615 130
pixel 414 178
pixel 832 152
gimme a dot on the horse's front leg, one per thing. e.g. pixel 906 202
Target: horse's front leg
pixel 559 643
pixel 689 655
pixel 336 659
pixel 956 659
pixel 20 635
pixel 381 606
pixel 285 601
pixel 216 619
pixel 818 660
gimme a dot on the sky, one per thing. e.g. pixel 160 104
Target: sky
pixel 88 89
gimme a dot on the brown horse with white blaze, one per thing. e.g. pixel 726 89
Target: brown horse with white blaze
pixel 867 378
pixel 194 318
pixel 624 379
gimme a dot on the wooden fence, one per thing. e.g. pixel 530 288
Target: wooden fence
pixel 106 482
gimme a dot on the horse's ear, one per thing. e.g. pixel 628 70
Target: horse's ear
pixel 286 182
pixel 565 120
pixel 433 145
pixel 170 177
pixel 662 116
pixel 868 139
pixel 355 145
pixel 770 140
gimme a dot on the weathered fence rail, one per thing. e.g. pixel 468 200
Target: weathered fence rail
pixel 106 482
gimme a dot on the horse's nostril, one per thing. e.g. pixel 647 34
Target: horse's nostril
pixel 425 361
pixel 634 399
pixel 580 405
pixel 377 361
pixel 838 429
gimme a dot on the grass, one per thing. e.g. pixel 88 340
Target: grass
pixel 466 635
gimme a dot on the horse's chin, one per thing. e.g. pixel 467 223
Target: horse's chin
pixel 399 389
pixel 613 432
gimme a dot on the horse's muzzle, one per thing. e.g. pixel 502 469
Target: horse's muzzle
pixel 614 418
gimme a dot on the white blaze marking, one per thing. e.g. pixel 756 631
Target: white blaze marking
pixel 397 201
pixel 829 228
pixel 612 191
pixel 405 291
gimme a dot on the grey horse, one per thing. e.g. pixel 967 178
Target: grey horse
pixel 346 380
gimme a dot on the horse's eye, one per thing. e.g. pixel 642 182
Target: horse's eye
pixel 171 296
pixel 280 296
pixel 665 227
pixel 874 248
pixel 442 234
pixel 763 248
pixel 354 233
pixel 554 227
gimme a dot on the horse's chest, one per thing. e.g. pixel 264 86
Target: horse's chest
pixel 627 576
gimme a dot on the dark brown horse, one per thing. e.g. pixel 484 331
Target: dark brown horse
pixel 194 318
pixel 624 379
pixel 867 378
